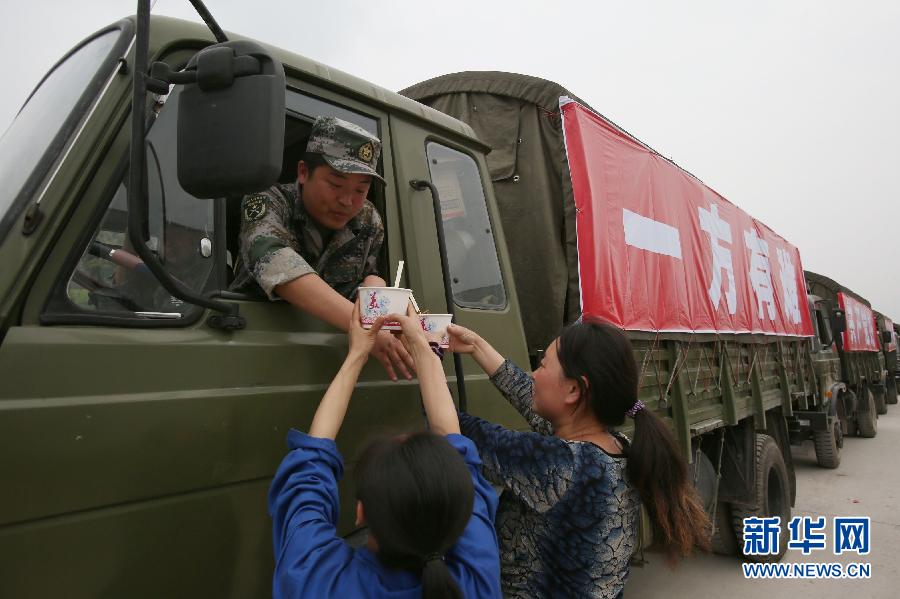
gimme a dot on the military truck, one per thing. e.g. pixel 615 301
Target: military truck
pixel 888 338
pixel 816 416
pixel 729 392
pixel 862 396
pixel 144 406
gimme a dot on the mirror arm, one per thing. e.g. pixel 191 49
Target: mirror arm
pixel 229 319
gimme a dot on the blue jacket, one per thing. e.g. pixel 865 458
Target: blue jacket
pixel 311 560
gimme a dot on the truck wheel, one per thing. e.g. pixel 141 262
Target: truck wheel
pixel 891 397
pixel 880 403
pixel 723 541
pixel 828 446
pixel 867 422
pixel 773 497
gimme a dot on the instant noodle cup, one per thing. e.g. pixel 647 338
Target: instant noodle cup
pixel 381 301
pixel 437 324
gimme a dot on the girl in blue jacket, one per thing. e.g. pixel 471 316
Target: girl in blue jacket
pixel 429 511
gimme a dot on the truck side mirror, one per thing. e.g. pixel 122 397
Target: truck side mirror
pixel 840 321
pixel 230 120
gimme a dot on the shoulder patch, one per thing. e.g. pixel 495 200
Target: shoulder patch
pixel 255 207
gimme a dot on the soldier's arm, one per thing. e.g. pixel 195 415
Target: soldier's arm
pixel 313 295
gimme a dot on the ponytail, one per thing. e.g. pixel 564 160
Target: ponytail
pixel 417 495
pixel 437 583
pixel 601 354
pixel 659 473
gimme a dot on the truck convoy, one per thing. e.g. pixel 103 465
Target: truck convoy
pixel 144 406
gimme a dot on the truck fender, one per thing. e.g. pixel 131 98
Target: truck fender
pixel 830 400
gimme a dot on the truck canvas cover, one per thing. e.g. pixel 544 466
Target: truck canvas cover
pixel 558 266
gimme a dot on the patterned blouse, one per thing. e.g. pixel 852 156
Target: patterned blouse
pixel 568 518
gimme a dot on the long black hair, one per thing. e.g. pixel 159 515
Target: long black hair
pixel 600 353
pixel 417 495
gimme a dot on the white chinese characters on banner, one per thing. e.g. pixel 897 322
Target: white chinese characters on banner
pixel 789 286
pixel 868 326
pixel 760 275
pixel 719 230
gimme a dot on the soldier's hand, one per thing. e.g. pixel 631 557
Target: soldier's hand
pixel 390 352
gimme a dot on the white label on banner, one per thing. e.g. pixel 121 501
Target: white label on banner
pixel 651 235
pixel 719 230
pixel 789 285
pixel 760 273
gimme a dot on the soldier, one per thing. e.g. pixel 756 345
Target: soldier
pixel 314 242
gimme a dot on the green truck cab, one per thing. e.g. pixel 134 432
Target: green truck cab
pixel 139 436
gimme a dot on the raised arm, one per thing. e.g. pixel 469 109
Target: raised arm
pixel 333 406
pixel 439 406
pixel 512 381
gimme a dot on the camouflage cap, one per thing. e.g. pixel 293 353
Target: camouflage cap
pixel 348 148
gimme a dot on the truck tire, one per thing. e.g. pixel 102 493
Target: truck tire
pixel 723 541
pixel 880 401
pixel 891 397
pixel 773 497
pixel 828 446
pixel 867 422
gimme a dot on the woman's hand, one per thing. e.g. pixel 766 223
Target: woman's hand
pixel 462 340
pixel 413 337
pixel 465 341
pixel 362 340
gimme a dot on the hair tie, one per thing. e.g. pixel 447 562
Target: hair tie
pixel 433 557
pixel 637 407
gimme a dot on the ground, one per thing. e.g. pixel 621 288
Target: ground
pixel 867 483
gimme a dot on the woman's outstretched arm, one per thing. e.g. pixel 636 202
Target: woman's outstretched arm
pixel 333 407
pixel 439 406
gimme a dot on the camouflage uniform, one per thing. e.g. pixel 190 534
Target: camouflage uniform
pixel 280 242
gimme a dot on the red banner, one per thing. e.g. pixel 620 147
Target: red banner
pixel 861 333
pixel 660 251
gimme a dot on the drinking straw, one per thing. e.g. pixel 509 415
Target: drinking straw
pixel 399 274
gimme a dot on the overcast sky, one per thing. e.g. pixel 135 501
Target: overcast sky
pixel 790 109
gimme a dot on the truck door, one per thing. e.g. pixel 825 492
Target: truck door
pixel 481 281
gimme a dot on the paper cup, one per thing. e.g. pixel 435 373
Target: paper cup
pixel 437 324
pixel 380 301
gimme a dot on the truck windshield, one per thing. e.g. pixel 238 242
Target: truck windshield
pixel 37 135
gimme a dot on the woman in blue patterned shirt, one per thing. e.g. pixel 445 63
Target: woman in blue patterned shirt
pixel 568 516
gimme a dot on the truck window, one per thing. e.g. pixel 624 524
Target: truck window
pixel 302 110
pixel 471 254
pixel 49 117
pixel 110 278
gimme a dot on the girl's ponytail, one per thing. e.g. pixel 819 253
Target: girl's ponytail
pixel 437 583
pixel 659 473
